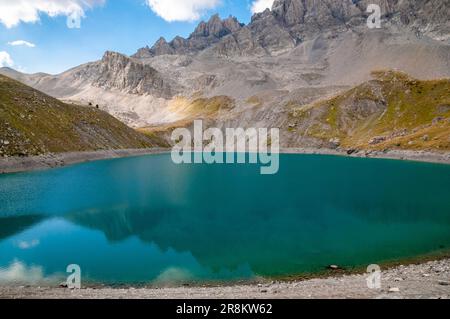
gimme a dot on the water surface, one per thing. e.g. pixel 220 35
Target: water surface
pixel 144 220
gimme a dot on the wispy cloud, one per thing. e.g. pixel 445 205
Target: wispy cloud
pixel 181 10
pixel 14 12
pixel 22 43
pixel 261 5
pixel 28 244
pixel 5 59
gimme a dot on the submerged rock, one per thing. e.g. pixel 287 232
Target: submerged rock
pixel 334 267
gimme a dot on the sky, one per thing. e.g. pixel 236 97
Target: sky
pixel 53 36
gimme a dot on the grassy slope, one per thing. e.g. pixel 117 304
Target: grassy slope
pixel 199 108
pixel 33 123
pixel 401 112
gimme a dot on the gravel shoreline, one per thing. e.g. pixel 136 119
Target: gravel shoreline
pixel 32 163
pixel 47 161
pixel 430 280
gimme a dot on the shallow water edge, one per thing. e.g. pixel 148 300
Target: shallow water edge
pixel 413 285
pixel 49 161
pixel 370 216
pixel 340 273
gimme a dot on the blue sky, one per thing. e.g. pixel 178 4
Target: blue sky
pixel 117 25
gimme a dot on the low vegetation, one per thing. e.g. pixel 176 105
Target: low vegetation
pixel 205 109
pixel 200 107
pixel 393 111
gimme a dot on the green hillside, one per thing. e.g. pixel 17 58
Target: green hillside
pixel 393 111
pixel 33 123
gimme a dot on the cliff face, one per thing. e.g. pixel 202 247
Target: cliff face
pixel 292 21
pixel 328 13
pixel 119 72
pixel 204 35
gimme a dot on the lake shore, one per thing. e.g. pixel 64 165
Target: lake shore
pixel 427 277
pixel 47 161
pixel 405 155
pixel 427 280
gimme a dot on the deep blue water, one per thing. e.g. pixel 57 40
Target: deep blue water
pixel 146 220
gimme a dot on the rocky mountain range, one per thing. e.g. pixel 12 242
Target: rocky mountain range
pixel 205 35
pixel 296 54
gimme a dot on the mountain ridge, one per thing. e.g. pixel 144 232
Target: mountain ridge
pixel 391 111
pixel 301 50
pixel 204 35
pixel 303 18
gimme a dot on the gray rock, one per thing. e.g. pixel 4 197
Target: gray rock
pixel 377 140
pixel 161 47
pixel 334 267
pixel 204 35
pixel 335 142
pixel 143 53
pixel 437 120
pixel 394 289
pixel 117 71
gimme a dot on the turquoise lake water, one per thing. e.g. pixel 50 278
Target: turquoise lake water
pixel 145 220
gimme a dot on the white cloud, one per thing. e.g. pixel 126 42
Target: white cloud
pixel 22 42
pixel 182 10
pixel 19 273
pixel 5 59
pixel 14 12
pixel 28 244
pixel 173 275
pixel 261 5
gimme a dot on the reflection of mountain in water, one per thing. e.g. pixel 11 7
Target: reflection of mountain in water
pixel 317 211
pixel 118 223
pixel 10 226
pixel 294 240
pixel 216 241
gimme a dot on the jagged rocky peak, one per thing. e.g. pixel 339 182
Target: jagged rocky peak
pixel 178 42
pixel 290 22
pixel 116 71
pixel 204 35
pixel 143 53
pixel 162 47
pixel 318 13
pixel 233 24
pixel 114 58
pixel 217 27
pixel 328 13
